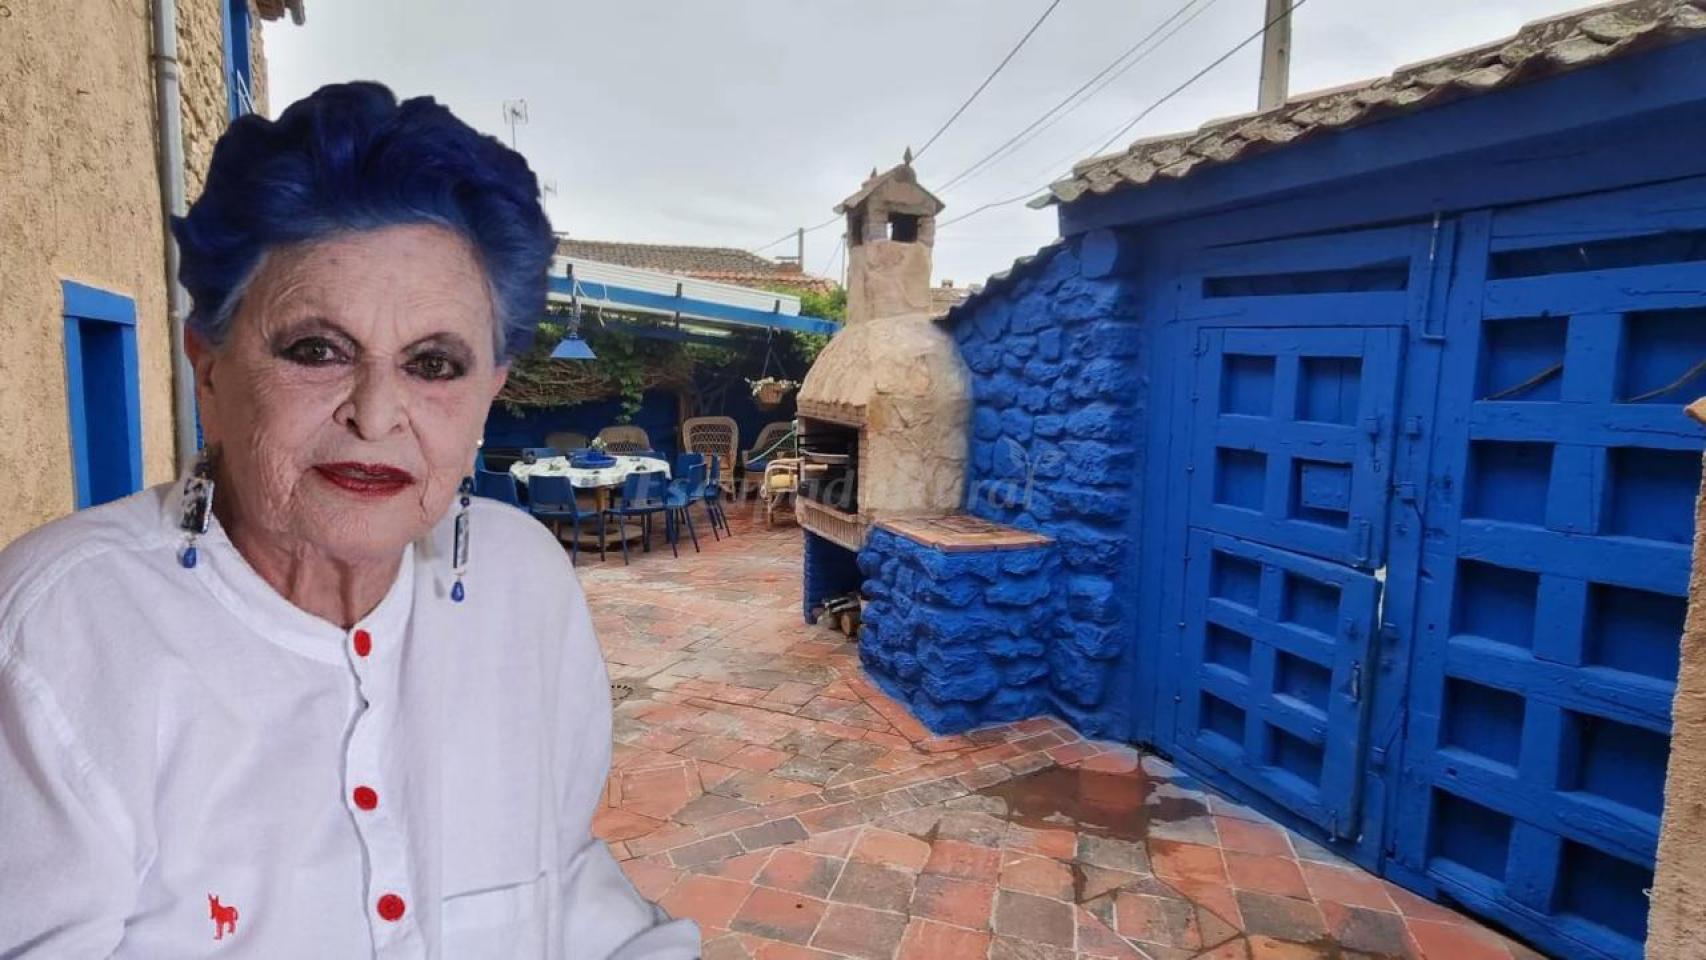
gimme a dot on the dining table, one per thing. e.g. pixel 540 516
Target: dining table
pixel 600 480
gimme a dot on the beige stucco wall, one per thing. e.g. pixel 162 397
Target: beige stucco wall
pixel 80 200
pixel 1676 928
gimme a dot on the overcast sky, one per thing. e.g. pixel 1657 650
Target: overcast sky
pixel 730 122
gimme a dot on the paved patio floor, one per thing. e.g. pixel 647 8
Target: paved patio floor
pixel 762 787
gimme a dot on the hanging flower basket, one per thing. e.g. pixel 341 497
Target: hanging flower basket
pixel 771 391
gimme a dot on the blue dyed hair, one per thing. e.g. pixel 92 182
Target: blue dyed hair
pixel 349 157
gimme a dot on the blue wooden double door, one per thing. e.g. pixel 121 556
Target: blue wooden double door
pixel 1430 544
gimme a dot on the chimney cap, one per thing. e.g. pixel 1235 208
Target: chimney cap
pixel 898 191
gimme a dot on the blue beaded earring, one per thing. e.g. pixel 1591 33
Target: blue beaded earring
pixel 196 510
pixel 459 546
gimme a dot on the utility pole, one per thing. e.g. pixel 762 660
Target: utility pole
pixel 800 248
pixel 1276 56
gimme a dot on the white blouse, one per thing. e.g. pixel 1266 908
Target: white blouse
pixel 190 766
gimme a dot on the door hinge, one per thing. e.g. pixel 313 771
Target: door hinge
pixel 1412 426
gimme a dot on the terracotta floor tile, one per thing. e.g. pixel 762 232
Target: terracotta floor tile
pixel 652 880
pixel 962 903
pixel 800 872
pixel 1037 875
pixel 1115 854
pixel 891 849
pixel 771 834
pixel 856 931
pixel 705 851
pixel 1275 875
pixel 749 728
pixel 1450 941
pixel 1061 843
pixel 1096 941
pixel 1268 948
pixel 833 843
pixel 709 900
pixel 1035 918
pixel 1013 948
pixel 1243 836
pixel 754 757
pixel 1217 898
pixel 1365 930
pixel 870 885
pixel 1347 886
pixel 1280 917
pixel 743 868
pixel 1187 860
pixel 613 825
pixel 929 940
pixel 1417 908
pixel 1163 921
pixel 965 861
pixel 708 747
pixel 779 915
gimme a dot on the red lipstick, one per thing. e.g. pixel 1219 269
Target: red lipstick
pixel 366 479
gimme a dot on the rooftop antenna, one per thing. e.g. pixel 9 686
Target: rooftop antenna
pixel 515 113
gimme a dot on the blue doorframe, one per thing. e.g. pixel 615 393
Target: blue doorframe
pixel 239 62
pixel 103 397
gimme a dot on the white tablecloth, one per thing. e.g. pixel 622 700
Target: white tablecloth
pixel 610 476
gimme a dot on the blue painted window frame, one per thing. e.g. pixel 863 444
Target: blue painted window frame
pixel 239 63
pixel 90 307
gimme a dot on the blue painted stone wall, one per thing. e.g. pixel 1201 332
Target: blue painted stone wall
pixel 1059 394
pixel 961 638
pixel 831 570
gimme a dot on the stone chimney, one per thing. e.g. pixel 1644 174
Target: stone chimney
pixel 891 232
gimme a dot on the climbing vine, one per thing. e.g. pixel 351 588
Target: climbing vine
pixel 628 366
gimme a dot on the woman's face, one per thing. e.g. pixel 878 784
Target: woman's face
pixel 349 395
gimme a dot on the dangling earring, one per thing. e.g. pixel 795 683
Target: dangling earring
pixel 459 545
pixel 197 507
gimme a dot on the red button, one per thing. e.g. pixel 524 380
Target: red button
pixel 391 907
pixel 363 643
pixel 366 798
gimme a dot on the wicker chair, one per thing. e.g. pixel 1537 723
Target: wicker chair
pixel 624 439
pixel 719 436
pixel 767 438
pixel 565 440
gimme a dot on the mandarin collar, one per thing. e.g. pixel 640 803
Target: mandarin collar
pixel 227 574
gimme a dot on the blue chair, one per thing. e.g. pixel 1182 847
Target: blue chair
pixel 552 499
pixel 676 501
pixel 643 496
pixel 712 494
pixel 498 486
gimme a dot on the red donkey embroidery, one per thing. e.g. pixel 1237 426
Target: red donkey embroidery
pixel 223 916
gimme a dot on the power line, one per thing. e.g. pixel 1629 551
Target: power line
pixel 986 80
pixel 940 130
pixel 1252 38
pixel 832 255
pixel 791 234
pixel 1141 115
pixel 1054 114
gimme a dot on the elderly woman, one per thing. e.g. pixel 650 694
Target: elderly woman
pixel 313 699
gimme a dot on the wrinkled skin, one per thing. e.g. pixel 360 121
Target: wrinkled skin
pixel 374 347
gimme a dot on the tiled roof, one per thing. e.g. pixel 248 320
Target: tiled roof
pixel 1542 48
pixel 696 261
